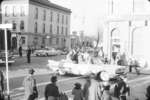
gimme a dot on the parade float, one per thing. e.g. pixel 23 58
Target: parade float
pixel 67 67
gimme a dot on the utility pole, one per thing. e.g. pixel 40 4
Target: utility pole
pixel 5 27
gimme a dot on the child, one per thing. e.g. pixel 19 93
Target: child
pixel 77 92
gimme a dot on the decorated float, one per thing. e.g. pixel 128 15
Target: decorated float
pixel 68 67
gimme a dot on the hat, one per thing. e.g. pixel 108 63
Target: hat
pixel 31 71
pixel 53 79
pixel 77 85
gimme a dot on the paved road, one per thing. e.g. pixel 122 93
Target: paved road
pixel 138 85
pixel 36 62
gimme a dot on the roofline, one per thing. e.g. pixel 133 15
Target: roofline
pixel 49 4
pixel 52 5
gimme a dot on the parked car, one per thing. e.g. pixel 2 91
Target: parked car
pixel 11 58
pixel 63 51
pixel 46 52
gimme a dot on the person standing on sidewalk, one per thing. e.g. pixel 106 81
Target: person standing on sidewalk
pixel 77 92
pixel 29 55
pixel 1 85
pixel 20 51
pixel 29 84
pixel 106 92
pixel 51 90
pixel 92 89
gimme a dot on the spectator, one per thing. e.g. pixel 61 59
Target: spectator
pixel 86 88
pixel 106 94
pixel 20 51
pixel 148 93
pixel 51 90
pixel 77 92
pixel 29 55
pixel 92 90
pixel 29 84
pixel 121 89
pixel 133 63
pixel 1 85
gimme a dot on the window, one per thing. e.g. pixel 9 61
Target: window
pixel 14 11
pixel 50 40
pixel 36 27
pixel 36 13
pixel 43 41
pixel 66 20
pixel 57 40
pixel 22 25
pixel 57 18
pixel 22 11
pixel 6 11
pixel 62 41
pixel 62 19
pixel 57 29
pixel 51 16
pixel 23 40
pixel 51 28
pixel 44 16
pixel 62 30
pixel 43 27
pixel 66 31
pixel 146 22
pixel 14 26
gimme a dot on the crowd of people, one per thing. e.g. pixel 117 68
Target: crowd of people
pixel 84 55
pixel 94 88
pixel 97 56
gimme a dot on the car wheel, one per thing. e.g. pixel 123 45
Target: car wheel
pixel 46 54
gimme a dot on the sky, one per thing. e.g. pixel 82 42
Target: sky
pixel 86 14
pixel 89 15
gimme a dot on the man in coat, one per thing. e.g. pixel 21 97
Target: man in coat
pixel 29 55
pixel 29 84
pixel 1 85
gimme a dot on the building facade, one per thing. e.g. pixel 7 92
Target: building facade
pixel 37 23
pixel 0 13
pixel 125 18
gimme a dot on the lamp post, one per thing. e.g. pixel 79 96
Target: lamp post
pixel 47 37
pixel 5 27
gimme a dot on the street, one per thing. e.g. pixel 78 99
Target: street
pixel 138 83
pixel 66 84
pixel 94 34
